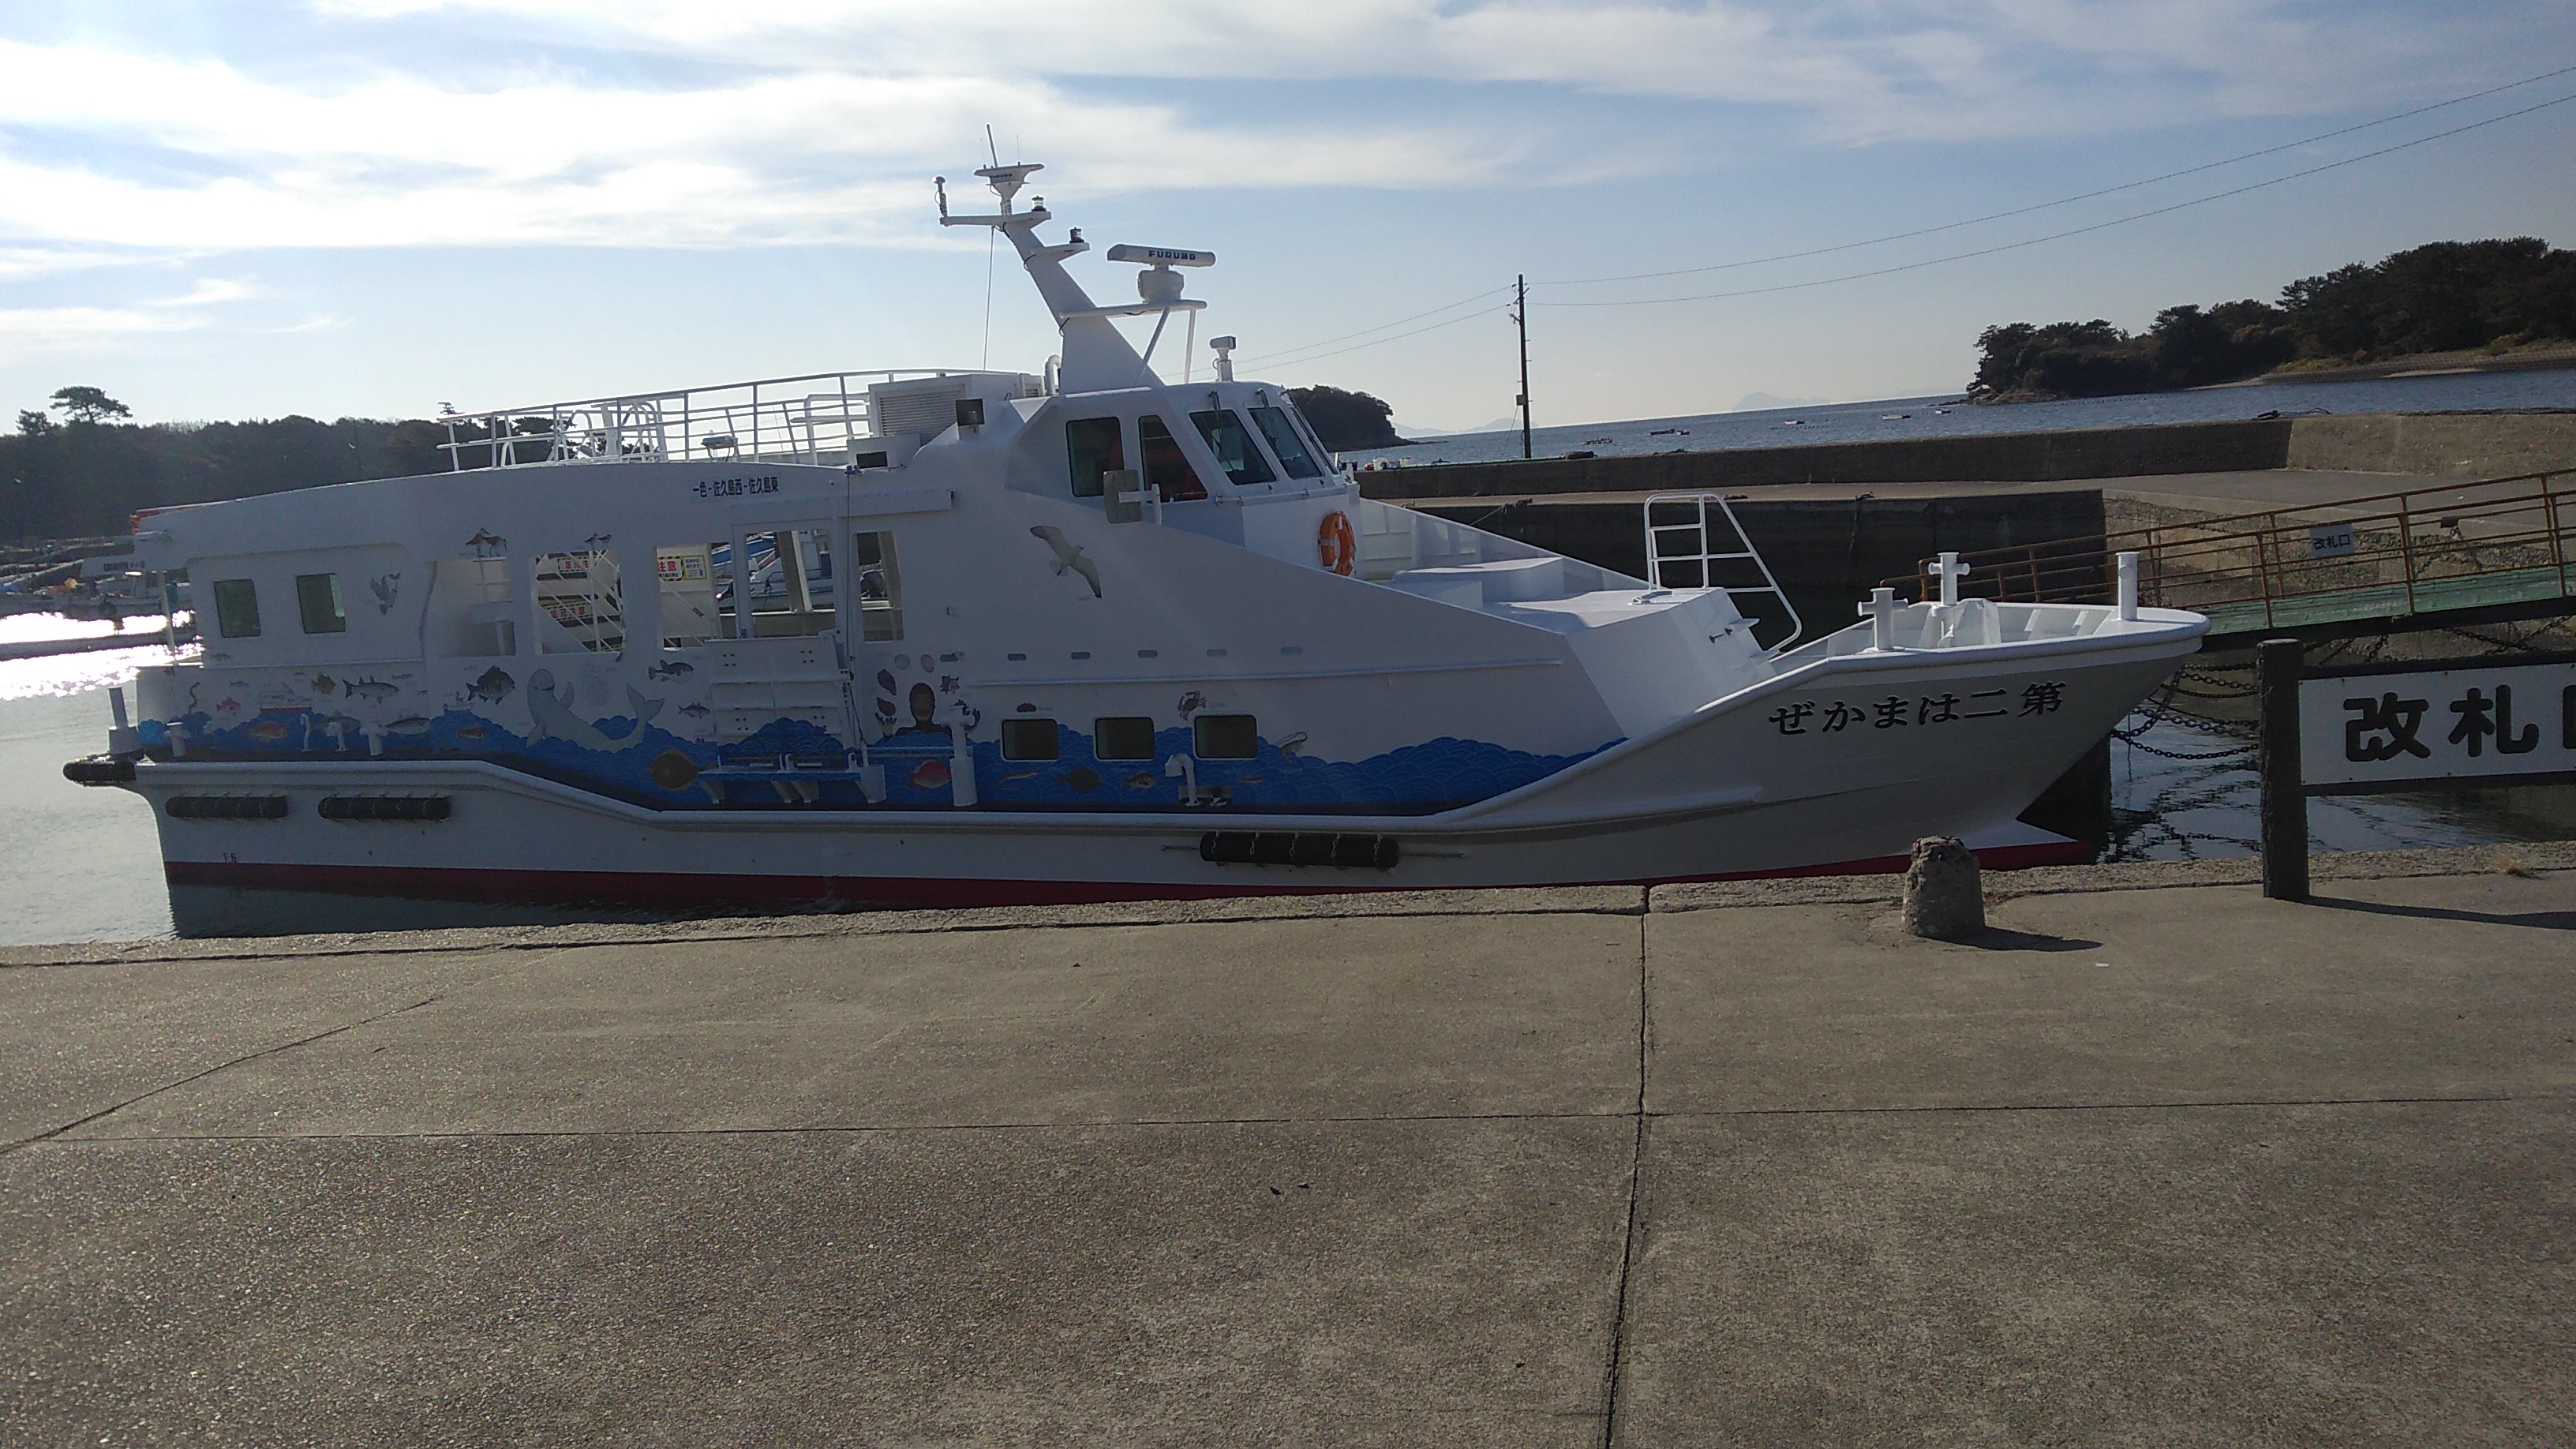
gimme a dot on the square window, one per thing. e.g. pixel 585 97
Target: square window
pixel 1122 737
pixel 1092 448
pixel 1225 737
pixel 237 608
pixel 317 597
pixel 1028 739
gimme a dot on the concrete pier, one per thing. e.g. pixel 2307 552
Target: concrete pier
pixel 2153 1160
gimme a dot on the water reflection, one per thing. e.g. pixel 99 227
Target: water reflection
pixel 2186 789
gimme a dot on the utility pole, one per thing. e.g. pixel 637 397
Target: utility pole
pixel 1520 319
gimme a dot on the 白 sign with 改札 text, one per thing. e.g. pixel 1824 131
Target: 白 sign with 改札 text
pixel 2455 723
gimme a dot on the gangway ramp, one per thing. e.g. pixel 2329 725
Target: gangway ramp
pixel 2449 555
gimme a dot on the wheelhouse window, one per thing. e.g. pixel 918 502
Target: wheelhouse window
pixel 1232 445
pixel 237 608
pixel 1093 447
pixel 1225 737
pixel 317 598
pixel 1122 737
pixel 1028 739
pixel 1167 468
pixel 1284 441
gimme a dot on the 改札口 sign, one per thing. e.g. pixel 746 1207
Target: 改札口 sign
pixel 2453 723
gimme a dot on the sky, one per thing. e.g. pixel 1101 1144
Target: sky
pixel 376 207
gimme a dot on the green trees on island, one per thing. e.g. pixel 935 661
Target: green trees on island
pixel 2445 297
pixel 1346 420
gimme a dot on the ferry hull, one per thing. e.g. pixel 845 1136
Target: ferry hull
pixel 1698 802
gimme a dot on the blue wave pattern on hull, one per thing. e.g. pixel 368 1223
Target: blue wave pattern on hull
pixel 918 765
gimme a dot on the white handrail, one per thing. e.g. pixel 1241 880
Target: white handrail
pixel 813 417
pixel 1703 557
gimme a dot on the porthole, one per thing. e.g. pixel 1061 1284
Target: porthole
pixel 1028 739
pixel 1225 737
pixel 1122 737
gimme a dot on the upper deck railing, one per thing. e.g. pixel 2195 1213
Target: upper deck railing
pixel 812 418
pixel 2500 546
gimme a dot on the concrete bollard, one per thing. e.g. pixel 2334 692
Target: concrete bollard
pixel 1943 897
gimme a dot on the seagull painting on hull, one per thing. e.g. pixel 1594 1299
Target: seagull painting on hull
pixel 1069 555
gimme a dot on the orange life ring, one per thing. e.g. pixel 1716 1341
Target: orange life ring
pixel 1334 543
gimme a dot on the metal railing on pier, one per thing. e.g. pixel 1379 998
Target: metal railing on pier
pixel 2460 552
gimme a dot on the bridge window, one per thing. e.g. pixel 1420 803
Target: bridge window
pixel 1284 441
pixel 317 598
pixel 1232 446
pixel 1225 737
pixel 1122 737
pixel 1028 739
pixel 1166 466
pixel 1093 446
pixel 237 608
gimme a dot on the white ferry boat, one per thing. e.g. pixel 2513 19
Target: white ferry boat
pixel 964 638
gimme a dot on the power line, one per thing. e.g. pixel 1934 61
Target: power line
pixel 2071 200
pixel 1381 327
pixel 2076 231
pixel 1416 332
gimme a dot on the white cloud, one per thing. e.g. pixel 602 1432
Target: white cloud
pixel 33 331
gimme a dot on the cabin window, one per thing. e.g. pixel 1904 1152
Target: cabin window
pixel 1225 737
pixel 577 603
pixel 1232 446
pixel 1167 468
pixel 880 586
pixel 696 582
pixel 1122 737
pixel 237 608
pixel 471 613
pixel 1028 739
pixel 787 576
pixel 317 597
pixel 1284 441
pixel 1093 446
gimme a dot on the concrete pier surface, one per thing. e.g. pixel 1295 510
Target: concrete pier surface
pixel 2154 1161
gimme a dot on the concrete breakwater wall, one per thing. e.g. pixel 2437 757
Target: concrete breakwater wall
pixel 1992 458
pixel 2462 445
pixel 2445 445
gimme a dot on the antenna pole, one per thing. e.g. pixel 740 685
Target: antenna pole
pixel 1520 319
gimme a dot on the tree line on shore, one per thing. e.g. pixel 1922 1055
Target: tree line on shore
pixel 2444 297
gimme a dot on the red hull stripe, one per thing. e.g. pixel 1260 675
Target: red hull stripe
pixel 685 891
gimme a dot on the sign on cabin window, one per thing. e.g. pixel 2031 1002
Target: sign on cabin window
pixel 787 579
pixel 577 603
pixel 1166 466
pixel 317 598
pixel 237 608
pixel 1093 447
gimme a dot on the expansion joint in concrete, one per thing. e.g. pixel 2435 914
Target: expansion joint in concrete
pixel 106 1112
pixel 1636 1176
